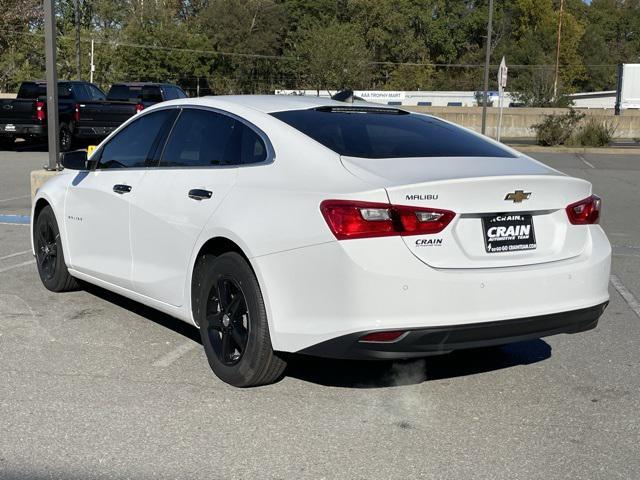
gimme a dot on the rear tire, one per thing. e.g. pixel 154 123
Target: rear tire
pixel 49 254
pixel 66 139
pixel 229 308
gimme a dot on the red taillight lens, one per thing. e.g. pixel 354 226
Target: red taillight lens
pixel 139 107
pixel 423 221
pixel 76 112
pixel 352 219
pixel 391 336
pixel 585 212
pixel 40 114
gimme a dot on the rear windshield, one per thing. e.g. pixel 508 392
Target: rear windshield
pixel 387 133
pixel 135 93
pixel 32 90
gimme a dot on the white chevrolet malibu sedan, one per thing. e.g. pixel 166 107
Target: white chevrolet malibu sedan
pixel 346 230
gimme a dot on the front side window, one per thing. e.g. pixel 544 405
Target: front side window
pixel 386 133
pixel 201 138
pixel 132 147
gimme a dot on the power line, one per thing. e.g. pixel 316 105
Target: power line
pixel 115 43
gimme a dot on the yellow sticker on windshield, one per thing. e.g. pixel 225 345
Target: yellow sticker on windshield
pixel 91 149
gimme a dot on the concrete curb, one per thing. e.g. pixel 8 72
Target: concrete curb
pixel 583 150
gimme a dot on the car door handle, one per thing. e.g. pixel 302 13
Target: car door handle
pixel 121 189
pixel 199 194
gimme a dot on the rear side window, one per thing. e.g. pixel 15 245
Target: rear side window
pixel 151 94
pixel 132 147
pixel 387 134
pixel 64 91
pixel 200 138
pixel 96 93
pixel 119 93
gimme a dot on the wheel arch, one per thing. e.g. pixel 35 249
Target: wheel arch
pixel 38 206
pixel 219 245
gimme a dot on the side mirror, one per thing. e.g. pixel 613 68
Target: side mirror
pixel 76 160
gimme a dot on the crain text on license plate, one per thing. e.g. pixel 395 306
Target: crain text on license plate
pixel 508 233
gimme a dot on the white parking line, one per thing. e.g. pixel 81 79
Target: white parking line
pixel 14 198
pixel 174 354
pixel 15 255
pixel 584 160
pixel 631 300
pixel 23 264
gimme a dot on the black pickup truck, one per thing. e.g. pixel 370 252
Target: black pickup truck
pixel 85 112
pixel 99 118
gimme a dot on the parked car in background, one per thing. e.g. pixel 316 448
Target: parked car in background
pixel 99 118
pixel 26 116
pixel 85 112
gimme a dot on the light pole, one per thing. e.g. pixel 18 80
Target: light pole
pixel 485 96
pixel 555 77
pixel 52 83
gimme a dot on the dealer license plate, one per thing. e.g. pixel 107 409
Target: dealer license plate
pixel 508 233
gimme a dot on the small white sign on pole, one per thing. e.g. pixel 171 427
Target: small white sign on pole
pixel 502 83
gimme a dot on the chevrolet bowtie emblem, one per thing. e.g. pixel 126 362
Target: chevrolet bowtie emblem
pixel 518 196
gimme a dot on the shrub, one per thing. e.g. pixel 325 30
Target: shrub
pixel 594 133
pixel 557 129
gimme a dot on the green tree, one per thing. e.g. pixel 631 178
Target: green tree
pixel 333 57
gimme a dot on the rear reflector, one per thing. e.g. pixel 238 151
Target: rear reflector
pixel 585 212
pixel 383 336
pixel 76 112
pixel 353 219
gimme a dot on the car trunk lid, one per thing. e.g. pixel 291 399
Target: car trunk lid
pixel 486 193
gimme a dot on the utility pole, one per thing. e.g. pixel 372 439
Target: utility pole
pixel 485 97
pixel 76 15
pixel 555 77
pixel 92 67
pixel 52 83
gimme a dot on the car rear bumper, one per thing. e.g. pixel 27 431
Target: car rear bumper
pixel 335 289
pixel 24 130
pixel 93 132
pixel 437 340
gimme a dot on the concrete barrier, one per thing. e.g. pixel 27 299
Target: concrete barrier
pixel 517 122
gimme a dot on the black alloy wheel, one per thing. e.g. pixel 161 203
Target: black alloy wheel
pixel 228 307
pixel 66 139
pixel 49 254
pixel 227 321
pixel 46 250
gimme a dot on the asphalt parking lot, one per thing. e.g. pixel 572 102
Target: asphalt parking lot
pixel 93 386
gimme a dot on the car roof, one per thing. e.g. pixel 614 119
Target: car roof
pixel 144 84
pixel 273 103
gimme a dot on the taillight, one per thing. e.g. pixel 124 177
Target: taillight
pixel 76 112
pixel 139 107
pixel 585 212
pixel 40 113
pixel 353 219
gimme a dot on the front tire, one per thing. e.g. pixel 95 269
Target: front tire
pixel 49 254
pixel 229 308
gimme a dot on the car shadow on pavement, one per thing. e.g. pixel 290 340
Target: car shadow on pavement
pixel 365 374
pixel 380 374
pixel 149 313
